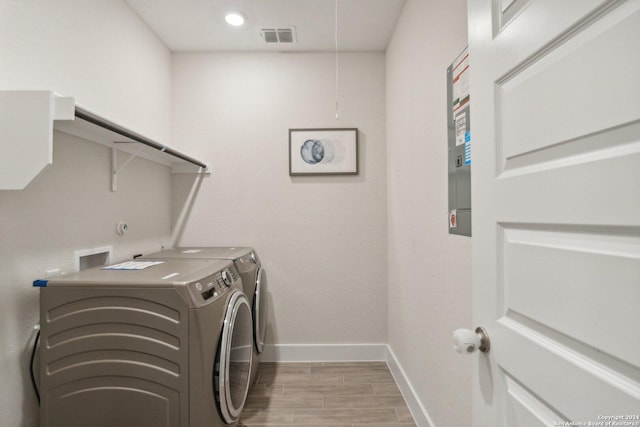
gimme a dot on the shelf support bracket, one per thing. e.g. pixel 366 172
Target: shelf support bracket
pixel 114 166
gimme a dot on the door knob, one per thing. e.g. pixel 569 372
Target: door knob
pixel 468 341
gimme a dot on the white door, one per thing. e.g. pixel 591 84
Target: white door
pixel 555 95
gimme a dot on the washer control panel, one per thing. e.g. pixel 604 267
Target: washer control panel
pixel 225 278
pixel 208 287
pixel 247 262
pixel 216 284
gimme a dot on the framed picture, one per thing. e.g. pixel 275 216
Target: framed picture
pixel 323 151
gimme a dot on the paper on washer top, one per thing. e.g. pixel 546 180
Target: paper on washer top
pixel 133 265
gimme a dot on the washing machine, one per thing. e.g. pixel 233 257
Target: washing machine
pixel 141 344
pixel 254 280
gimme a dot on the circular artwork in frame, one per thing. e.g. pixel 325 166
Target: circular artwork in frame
pixel 332 151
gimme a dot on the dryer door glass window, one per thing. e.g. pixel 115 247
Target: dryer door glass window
pixel 235 357
pixel 260 309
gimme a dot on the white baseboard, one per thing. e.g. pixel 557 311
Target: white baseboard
pixel 418 411
pixel 323 352
pixel 350 353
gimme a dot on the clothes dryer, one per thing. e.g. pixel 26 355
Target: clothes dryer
pixel 166 345
pixel 254 281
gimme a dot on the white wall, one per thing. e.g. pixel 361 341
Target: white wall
pixel 99 52
pixel 322 239
pixel 429 270
pixel 103 55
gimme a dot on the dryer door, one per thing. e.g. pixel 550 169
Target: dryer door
pixel 235 358
pixel 260 309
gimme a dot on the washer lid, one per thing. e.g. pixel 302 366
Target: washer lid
pixel 168 273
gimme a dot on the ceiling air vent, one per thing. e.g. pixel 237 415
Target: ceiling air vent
pixel 278 35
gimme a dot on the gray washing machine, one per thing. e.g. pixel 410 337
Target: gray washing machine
pixel 167 345
pixel 254 281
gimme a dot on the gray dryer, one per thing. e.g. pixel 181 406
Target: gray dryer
pixel 167 345
pixel 254 282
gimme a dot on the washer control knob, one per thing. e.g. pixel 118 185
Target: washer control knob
pixel 227 278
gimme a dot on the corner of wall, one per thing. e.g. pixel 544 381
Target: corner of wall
pixel 429 290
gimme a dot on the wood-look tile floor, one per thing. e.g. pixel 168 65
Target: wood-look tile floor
pixel 325 394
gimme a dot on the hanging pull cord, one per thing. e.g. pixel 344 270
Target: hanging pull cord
pixel 337 62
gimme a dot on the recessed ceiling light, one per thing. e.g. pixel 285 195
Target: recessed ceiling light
pixel 235 18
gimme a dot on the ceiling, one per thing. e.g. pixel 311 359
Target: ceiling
pixel 199 25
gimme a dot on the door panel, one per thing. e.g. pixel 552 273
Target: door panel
pixel 556 196
pixel 532 118
pixel 597 273
pixel 524 408
pixel 562 373
pixel 506 12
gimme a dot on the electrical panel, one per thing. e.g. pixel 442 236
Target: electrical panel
pixel 459 145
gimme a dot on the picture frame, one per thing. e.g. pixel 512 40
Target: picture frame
pixel 328 151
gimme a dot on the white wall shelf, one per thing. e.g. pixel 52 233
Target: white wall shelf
pixel 27 122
